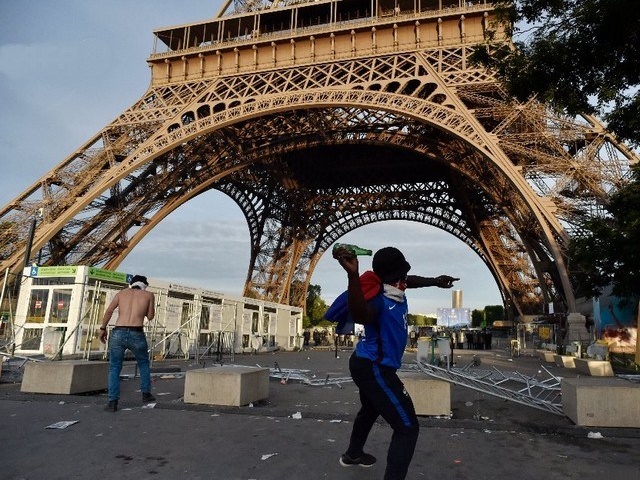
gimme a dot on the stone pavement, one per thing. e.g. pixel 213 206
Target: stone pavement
pixel 299 432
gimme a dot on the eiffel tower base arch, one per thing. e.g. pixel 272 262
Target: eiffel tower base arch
pixel 318 127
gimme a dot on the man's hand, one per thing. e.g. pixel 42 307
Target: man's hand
pixel 445 281
pixel 347 259
pixel 103 336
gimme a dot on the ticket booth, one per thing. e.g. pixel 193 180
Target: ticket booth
pixel 59 309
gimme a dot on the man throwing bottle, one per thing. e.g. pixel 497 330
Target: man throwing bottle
pixel 378 355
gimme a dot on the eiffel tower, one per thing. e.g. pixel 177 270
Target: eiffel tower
pixel 319 117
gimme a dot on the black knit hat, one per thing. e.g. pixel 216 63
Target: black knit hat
pixel 390 265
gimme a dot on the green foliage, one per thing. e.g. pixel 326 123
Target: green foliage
pixel 421 320
pixel 477 317
pixel 580 56
pixel 606 251
pixel 583 57
pixel 493 313
pixel 325 323
pixel 316 307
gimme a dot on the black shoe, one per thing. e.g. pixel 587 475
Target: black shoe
pixel 364 460
pixel 147 397
pixel 112 406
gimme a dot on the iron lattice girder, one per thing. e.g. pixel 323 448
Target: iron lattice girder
pixel 311 213
pixel 317 173
pixel 263 265
pixel 572 162
pixel 181 139
pixel 361 219
pixel 172 180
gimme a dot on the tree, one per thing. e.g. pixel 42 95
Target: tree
pixel 493 313
pixel 583 56
pixel 316 307
pixel 477 317
pixel 606 251
pixel 420 320
pixel 579 56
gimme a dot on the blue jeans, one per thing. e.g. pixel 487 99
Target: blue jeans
pixel 120 340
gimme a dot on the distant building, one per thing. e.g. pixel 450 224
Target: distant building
pixel 456 316
pixel 456 299
pixel 453 317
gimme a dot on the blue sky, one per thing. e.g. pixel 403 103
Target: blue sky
pixel 70 67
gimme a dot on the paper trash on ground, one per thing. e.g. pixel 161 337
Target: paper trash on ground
pixel 63 424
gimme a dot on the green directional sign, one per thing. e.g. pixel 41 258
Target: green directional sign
pixel 102 274
pixel 57 271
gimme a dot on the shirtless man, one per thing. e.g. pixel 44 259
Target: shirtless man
pixel 133 304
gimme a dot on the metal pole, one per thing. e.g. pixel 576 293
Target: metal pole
pixel 93 315
pixel 9 320
pixel 638 339
pixel 154 328
pixel 27 252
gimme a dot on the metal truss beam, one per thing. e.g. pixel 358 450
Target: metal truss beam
pixel 542 394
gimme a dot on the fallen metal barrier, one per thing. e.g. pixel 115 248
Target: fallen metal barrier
pixel 543 394
pixel 304 376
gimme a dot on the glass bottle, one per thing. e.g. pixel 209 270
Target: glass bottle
pixel 356 250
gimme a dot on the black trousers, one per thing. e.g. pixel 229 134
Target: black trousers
pixel 383 394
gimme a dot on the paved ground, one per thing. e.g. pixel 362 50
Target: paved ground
pixel 299 432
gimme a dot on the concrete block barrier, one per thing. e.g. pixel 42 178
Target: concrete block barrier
pixel 594 368
pixel 565 361
pixel 601 401
pixel 546 355
pixel 430 396
pixel 65 377
pixel 227 385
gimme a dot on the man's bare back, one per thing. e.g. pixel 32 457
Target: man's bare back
pixel 133 306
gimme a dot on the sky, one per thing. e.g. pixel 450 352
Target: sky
pixel 70 67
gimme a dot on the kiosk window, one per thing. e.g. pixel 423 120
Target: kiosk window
pixel 37 306
pixel 204 318
pixel 60 303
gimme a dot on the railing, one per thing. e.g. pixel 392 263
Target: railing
pixel 250 39
pixel 309 59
